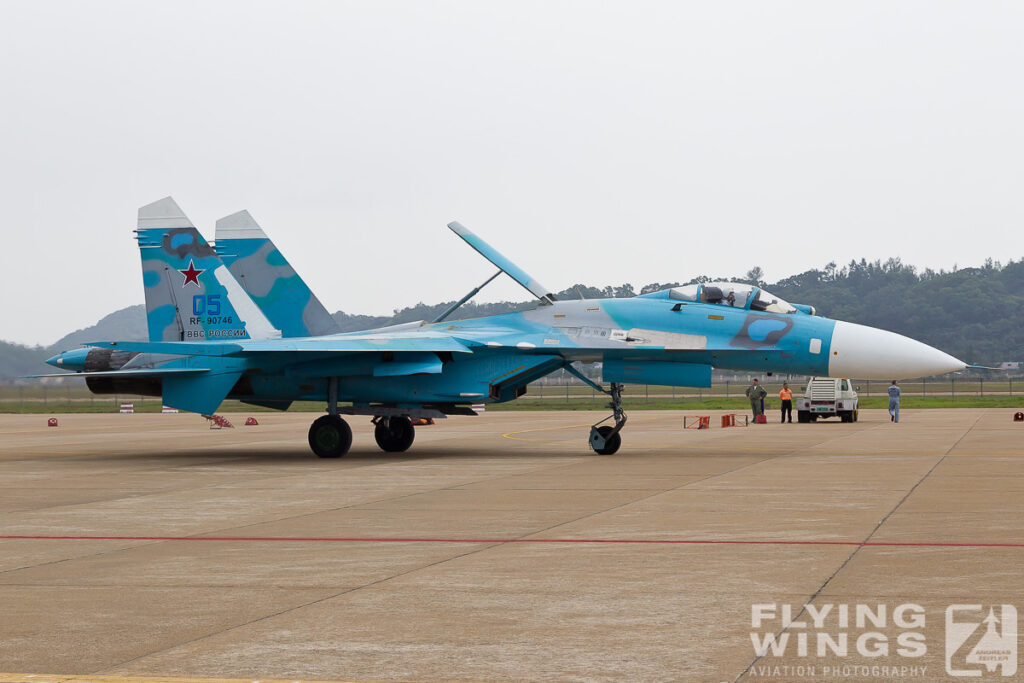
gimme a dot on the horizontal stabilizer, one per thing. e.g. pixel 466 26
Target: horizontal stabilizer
pixel 502 262
pixel 201 394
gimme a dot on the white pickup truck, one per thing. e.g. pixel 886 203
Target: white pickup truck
pixel 827 397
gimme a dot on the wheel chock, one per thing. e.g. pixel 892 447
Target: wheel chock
pixel 1018 417
pixel 251 422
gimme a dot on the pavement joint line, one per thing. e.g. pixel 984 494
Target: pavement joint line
pixel 351 589
pixel 964 435
pixel 393 498
pixel 155 542
pixel 72 678
pixel 548 466
pixel 525 539
pixel 832 437
pixel 484 547
pixel 853 554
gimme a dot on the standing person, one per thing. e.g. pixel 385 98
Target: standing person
pixel 894 402
pixel 786 396
pixel 755 392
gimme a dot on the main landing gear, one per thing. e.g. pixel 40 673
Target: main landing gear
pixel 605 439
pixel 329 435
pixel 394 434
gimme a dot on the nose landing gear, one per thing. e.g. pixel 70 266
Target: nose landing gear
pixel 605 440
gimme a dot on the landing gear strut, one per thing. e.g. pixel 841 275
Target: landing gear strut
pixel 329 435
pixel 394 434
pixel 605 440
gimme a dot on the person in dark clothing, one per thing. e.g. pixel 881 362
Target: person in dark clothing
pixel 756 394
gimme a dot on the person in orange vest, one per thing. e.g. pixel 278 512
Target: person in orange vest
pixel 786 396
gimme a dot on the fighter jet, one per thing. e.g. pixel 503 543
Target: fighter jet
pixel 237 322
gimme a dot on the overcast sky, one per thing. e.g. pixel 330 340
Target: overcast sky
pixel 591 142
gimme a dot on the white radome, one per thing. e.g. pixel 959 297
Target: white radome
pixel 864 352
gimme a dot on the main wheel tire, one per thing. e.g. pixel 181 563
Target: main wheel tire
pixel 330 437
pixel 803 416
pixel 856 415
pixel 395 434
pixel 611 444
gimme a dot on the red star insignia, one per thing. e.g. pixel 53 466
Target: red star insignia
pixel 192 274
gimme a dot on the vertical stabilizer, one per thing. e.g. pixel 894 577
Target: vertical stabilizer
pixel 269 279
pixel 190 294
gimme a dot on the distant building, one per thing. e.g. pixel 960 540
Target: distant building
pixel 1009 365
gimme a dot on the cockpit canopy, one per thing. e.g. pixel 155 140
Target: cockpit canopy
pixel 735 294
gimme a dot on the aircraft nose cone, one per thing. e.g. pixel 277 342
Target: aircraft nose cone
pixel 869 353
pixel 69 360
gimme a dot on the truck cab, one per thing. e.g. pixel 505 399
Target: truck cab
pixel 828 397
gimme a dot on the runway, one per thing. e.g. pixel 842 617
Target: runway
pixel 499 547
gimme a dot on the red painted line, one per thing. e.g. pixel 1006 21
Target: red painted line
pixel 361 539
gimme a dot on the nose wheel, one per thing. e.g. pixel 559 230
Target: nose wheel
pixel 605 439
pixel 394 434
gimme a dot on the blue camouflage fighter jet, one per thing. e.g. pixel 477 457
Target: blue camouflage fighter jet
pixel 235 320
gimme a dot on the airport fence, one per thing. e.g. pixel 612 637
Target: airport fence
pixel 949 388
pixel 75 396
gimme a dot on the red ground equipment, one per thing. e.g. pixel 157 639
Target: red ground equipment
pixel 1018 417
pixel 52 422
pixel 251 422
pixel 218 422
pixel 696 422
pixel 733 420
pixel 761 419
